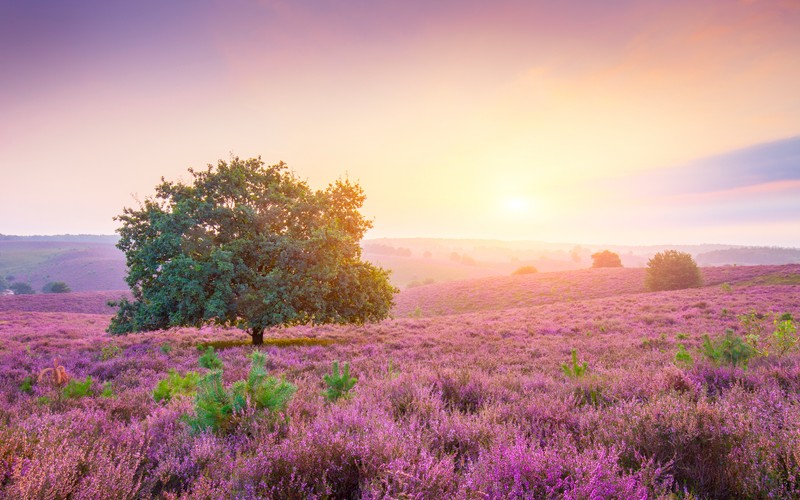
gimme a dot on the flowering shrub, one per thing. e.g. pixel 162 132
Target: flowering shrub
pixel 480 409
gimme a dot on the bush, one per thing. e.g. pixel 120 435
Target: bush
pixel 525 270
pixel 339 385
pixel 215 404
pixel 56 287
pixel 575 370
pixel 606 258
pixel 22 289
pixel 682 358
pixel 672 270
pixel 26 385
pixel 210 360
pixel 77 389
pixel 175 385
pixel 730 349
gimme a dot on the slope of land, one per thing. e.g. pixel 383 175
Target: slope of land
pixel 468 405
pixel 84 266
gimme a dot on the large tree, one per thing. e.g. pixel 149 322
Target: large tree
pixel 250 246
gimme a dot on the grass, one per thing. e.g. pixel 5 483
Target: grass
pixel 281 342
pixel 773 279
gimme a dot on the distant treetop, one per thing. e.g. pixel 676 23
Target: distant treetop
pixel 525 270
pixel 606 258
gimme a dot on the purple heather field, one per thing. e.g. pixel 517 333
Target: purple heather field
pixel 462 395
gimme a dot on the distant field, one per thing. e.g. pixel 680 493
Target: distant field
pixel 469 401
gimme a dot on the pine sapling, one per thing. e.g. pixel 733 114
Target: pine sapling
pixel 339 384
pixel 575 370
pixel 210 360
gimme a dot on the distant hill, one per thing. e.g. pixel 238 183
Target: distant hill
pixel 417 261
pixel 92 262
pixel 749 256
pixel 83 262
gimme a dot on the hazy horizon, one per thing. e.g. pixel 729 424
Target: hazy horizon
pixel 623 123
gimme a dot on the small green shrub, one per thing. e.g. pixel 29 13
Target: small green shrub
pixel 339 384
pixel 107 391
pixel 265 392
pixel 215 404
pixel 26 385
pixel 682 336
pixel 210 360
pixel 574 370
pixel 165 349
pixel 784 337
pixel 109 352
pixel 726 287
pixel 730 349
pixel 175 385
pixel 682 358
pixel 77 389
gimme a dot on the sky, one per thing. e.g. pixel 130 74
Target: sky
pixel 627 122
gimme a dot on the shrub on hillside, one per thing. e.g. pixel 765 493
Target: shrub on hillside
pixel 215 404
pixel 526 270
pixel 175 385
pixel 606 258
pixel 730 349
pixel 672 270
pixel 339 384
pixel 56 287
pixel 20 288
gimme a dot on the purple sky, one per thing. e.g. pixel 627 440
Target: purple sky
pixel 620 122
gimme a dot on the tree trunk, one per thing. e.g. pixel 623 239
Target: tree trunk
pixel 258 336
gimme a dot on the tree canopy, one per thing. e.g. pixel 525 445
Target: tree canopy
pixel 251 246
pixel 606 258
pixel 672 270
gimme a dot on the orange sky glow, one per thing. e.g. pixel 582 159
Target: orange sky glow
pixel 553 121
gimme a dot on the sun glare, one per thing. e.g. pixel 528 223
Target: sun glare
pixel 517 205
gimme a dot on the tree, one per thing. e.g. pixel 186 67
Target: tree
pixel 250 246
pixel 606 258
pixel 20 288
pixel 672 270
pixel 56 287
pixel 525 270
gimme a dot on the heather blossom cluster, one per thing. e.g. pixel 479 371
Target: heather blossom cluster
pixel 553 385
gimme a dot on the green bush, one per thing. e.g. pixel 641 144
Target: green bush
pixel 672 270
pixel 26 385
pixel 110 352
pixel 215 404
pixel 210 360
pixel 682 358
pixel 574 370
pixel 175 385
pixel 166 348
pixel 22 289
pixel 56 287
pixel 77 389
pixel 784 337
pixel 339 384
pixel 107 391
pixel 730 349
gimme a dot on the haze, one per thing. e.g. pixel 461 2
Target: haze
pixel 619 121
